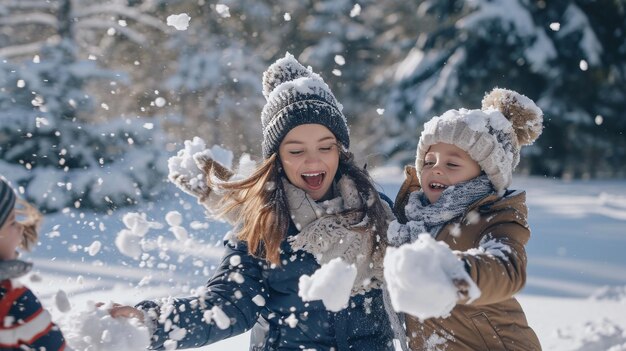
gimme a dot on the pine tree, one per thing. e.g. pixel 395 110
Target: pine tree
pixel 217 84
pixel 51 147
pixel 569 56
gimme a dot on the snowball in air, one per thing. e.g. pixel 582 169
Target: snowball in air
pixel 128 243
pixel 259 300
pixel 340 60
pixel 180 22
pixel 356 10
pixel 62 303
pixel 174 218
pixel 331 283
pixel 160 101
pixel 222 10
pixel 94 248
pixel 218 316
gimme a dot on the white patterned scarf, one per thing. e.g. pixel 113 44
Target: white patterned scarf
pixel 337 228
pixel 424 217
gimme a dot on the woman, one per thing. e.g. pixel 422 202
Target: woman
pixel 306 204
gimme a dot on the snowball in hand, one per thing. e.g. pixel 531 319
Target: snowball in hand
pixel 184 163
pixel 180 22
pixel 331 283
pixel 96 330
pixel 420 278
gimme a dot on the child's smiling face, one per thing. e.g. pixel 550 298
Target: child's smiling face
pixel 446 165
pixel 10 237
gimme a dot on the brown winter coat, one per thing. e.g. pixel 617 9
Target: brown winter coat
pixel 494 321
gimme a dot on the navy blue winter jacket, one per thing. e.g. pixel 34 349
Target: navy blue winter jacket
pixel 363 325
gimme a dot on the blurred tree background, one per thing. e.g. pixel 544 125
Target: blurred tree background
pixel 94 94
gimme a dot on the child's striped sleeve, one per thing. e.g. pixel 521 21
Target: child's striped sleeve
pixel 24 322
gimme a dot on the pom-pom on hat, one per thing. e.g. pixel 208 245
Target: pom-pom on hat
pixel 492 136
pixel 295 95
pixel 7 201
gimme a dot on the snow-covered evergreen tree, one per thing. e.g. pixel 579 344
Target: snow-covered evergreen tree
pixel 222 57
pixel 568 55
pixel 216 82
pixel 350 43
pixel 50 143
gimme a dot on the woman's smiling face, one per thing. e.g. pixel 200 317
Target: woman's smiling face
pixel 309 154
pixel 446 165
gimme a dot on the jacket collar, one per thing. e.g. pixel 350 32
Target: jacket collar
pixel 11 269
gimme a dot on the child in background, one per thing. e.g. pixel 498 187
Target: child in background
pixel 24 324
pixel 458 193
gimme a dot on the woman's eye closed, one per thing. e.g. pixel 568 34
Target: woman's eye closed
pixel 295 152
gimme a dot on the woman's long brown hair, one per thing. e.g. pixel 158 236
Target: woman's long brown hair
pixel 260 205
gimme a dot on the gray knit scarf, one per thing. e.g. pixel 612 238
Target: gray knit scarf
pixel 11 269
pixel 424 217
pixel 336 228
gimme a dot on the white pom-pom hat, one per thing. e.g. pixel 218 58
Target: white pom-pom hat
pixel 492 136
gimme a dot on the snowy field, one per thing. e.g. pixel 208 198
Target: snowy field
pixel 575 298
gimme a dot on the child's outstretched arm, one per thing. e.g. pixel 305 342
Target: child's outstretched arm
pixel 229 305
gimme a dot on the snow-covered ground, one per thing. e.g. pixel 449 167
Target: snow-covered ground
pixel 575 297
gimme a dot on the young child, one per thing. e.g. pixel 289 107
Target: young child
pixel 306 204
pixel 24 324
pixel 458 193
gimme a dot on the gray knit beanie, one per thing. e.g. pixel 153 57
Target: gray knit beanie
pixel 492 136
pixel 295 95
pixel 7 201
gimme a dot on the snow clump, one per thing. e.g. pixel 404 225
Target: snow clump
pixel 420 278
pixel 180 22
pixel 95 330
pixel 331 283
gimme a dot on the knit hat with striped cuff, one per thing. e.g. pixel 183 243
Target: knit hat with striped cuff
pixel 295 95
pixel 7 201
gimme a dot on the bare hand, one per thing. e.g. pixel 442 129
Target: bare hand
pixel 120 311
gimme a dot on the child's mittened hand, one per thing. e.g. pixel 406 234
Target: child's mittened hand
pixel 206 164
pixel 191 186
pixel 463 287
pixel 191 167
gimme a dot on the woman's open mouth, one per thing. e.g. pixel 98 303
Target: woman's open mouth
pixel 314 179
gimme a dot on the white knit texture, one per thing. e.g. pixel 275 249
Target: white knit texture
pixel 476 132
